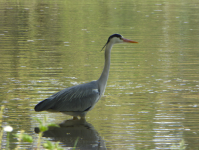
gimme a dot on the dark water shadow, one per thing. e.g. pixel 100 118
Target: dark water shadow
pixel 71 130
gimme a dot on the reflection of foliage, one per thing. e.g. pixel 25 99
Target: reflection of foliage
pixel 180 146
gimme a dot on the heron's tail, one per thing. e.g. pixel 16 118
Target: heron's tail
pixel 43 105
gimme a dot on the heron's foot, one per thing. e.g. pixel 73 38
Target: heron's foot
pixel 75 118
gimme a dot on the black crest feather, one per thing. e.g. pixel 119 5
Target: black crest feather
pixel 110 37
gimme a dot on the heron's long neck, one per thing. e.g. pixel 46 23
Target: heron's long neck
pixel 104 76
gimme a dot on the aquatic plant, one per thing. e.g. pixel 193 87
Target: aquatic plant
pixel 179 146
pixel 24 137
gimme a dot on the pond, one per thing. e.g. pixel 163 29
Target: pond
pixel 151 98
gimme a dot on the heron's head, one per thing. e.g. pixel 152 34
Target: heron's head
pixel 117 38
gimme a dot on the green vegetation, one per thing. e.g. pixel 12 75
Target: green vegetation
pixel 1 116
pixel 42 128
pixel 180 146
pixel 24 137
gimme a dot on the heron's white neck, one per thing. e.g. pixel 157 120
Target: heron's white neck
pixel 104 76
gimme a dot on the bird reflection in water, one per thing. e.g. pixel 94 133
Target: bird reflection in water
pixel 71 130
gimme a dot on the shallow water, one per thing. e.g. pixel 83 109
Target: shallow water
pixel 151 99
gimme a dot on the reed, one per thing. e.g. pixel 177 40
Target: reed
pixel 1 120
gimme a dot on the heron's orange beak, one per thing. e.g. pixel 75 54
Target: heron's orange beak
pixel 128 41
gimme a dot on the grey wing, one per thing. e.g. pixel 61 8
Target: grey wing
pixel 77 98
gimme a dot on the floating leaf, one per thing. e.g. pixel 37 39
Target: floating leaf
pixel 48 145
pixel 43 128
pixel 27 138
pixel 24 137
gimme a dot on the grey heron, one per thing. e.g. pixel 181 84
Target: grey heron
pixel 78 100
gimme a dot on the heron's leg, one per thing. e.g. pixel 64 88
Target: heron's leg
pixel 75 118
pixel 83 118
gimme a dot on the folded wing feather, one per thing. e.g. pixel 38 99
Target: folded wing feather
pixel 76 98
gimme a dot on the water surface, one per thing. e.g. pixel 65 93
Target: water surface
pixel 151 99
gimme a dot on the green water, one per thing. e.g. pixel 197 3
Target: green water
pixel 151 99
